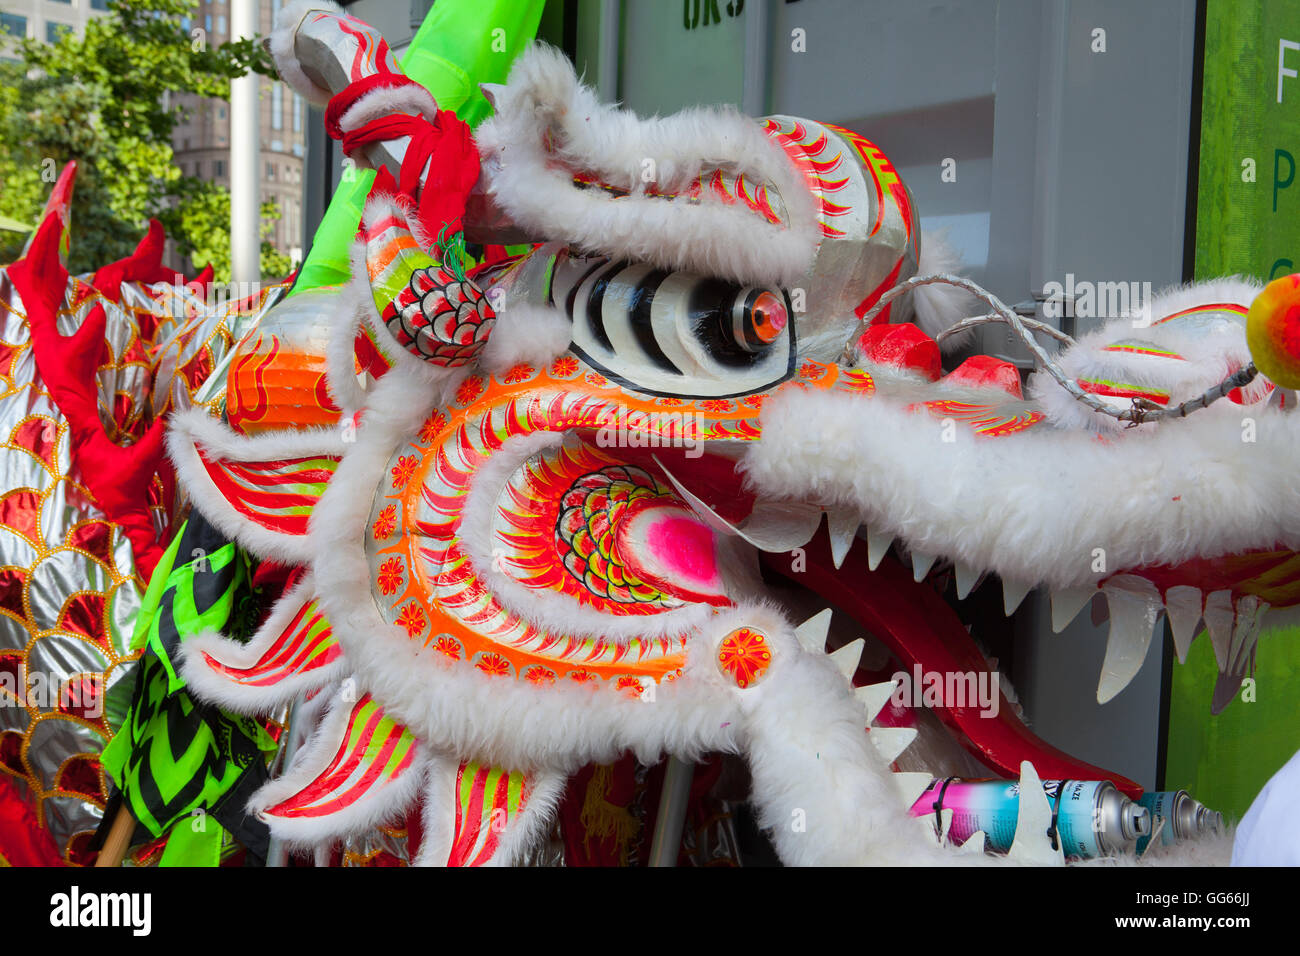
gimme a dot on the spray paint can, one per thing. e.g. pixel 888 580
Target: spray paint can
pixel 1207 820
pixel 1177 809
pixel 1092 818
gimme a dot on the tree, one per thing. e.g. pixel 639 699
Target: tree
pixel 105 100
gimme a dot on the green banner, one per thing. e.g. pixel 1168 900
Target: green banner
pixel 1248 222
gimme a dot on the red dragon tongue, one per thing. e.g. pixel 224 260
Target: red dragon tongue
pixel 925 634
pixel 664 544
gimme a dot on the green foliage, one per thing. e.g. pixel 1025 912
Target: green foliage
pixel 106 100
pixel 205 220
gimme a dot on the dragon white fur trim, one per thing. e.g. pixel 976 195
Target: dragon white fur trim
pixel 1190 488
pixel 544 102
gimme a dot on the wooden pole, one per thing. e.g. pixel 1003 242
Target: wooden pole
pixel 118 840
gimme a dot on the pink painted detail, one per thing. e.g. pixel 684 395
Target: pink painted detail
pixel 665 545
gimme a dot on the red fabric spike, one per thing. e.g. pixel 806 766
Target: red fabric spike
pixel 118 477
pixel 203 280
pixel 985 371
pixel 902 346
pixel 143 265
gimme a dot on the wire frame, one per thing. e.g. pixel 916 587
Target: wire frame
pixel 1142 409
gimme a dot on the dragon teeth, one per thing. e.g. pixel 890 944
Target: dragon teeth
pixel 847 657
pixel 910 784
pixel 921 565
pixel 1013 592
pixel 1241 651
pixel 1031 845
pixel 771 527
pixel 1219 619
pixel 1134 609
pixel 812 632
pixel 874 697
pixel 974 844
pixel 967 578
pixel 890 742
pixel 878 543
pixel 1184 604
pixel 1067 604
pixel 842 527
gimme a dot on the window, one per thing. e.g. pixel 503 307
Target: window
pixel 218 168
pixel 270 171
pixel 221 24
pixel 277 106
pixel 103 5
pixel 185 23
pixel 13 24
pixel 68 2
pixel 277 146
pixel 54 30
pixel 207 22
pixel 221 112
pixel 297 113
pixel 298 149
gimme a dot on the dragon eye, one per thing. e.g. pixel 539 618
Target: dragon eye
pixel 758 319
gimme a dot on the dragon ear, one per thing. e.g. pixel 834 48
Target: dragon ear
pixel 259 489
pixel 416 291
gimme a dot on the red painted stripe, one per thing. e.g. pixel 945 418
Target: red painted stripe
pixel 362 786
pixel 494 835
pixel 322 781
pixel 472 819
pixel 242 500
pixel 265 678
pixel 866 304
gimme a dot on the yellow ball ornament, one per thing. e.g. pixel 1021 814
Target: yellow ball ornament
pixel 1273 331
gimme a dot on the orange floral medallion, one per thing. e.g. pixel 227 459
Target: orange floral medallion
pixel 744 656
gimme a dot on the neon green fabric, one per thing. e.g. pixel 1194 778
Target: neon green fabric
pixel 194 842
pixel 461 44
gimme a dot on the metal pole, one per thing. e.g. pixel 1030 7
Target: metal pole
pixel 277 854
pixel 754 95
pixel 245 243
pixel 667 840
pixel 607 64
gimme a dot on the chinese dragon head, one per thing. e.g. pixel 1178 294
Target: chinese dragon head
pixel 550 523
